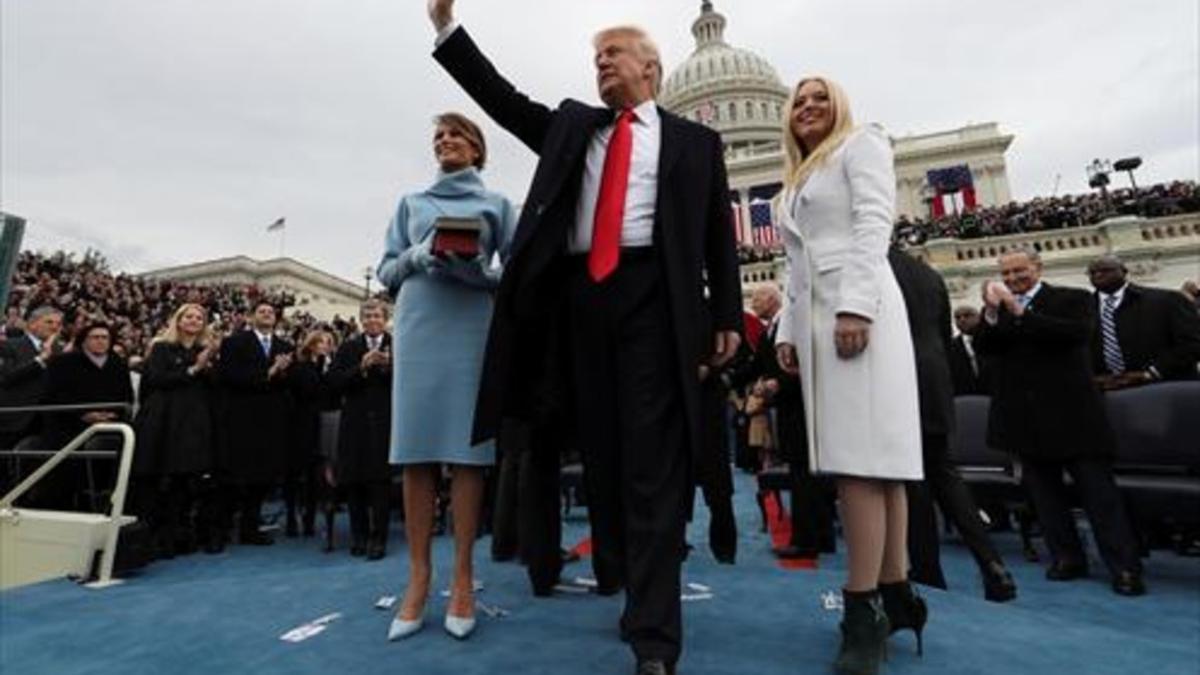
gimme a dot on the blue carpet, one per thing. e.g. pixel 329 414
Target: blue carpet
pixel 226 613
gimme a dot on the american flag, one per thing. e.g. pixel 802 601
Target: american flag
pixel 762 229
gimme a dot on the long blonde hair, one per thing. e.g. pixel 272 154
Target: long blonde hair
pixel 800 162
pixel 171 332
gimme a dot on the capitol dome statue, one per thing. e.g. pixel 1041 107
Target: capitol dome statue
pixel 732 90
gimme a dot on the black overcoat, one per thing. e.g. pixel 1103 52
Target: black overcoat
pixel 366 422
pixel 1045 405
pixel 256 410
pixel 175 415
pixel 693 235
pixel 72 379
pixel 928 305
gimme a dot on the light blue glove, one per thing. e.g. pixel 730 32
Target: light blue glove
pixel 475 272
pixel 422 258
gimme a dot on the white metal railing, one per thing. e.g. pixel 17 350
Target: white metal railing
pixel 7 510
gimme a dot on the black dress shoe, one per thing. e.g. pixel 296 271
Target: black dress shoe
pixel 607 590
pixel 654 667
pixel 725 558
pixel 1129 583
pixel 998 584
pixel 376 550
pixel 1063 571
pixel 256 539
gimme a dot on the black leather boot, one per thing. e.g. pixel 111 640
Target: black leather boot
pixel 998 584
pixel 864 634
pixel 905 609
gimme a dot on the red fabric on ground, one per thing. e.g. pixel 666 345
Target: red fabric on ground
pixel 779 524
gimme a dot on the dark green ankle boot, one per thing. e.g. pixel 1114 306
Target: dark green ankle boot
pixel 904 609
pixel 864 634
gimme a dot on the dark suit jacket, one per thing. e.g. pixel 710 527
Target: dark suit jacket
pixel 23 382
pixel 967 382
pixel 72 379
pixel 1045 405
pixel 256 410
pixel 692 234
pixel 1155 327
pixel 366 422
pixel 928 306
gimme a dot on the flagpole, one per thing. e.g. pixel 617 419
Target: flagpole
pixel 282 240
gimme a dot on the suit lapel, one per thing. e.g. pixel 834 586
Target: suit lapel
pixel 670 147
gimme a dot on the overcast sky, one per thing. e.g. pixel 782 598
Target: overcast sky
pixel 172 131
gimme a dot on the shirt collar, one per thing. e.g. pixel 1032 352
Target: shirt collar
pixel 1116 295
pixel 98 361
pixel 37 344
pixel 262 336
pixel 645 113
pixel 1032 293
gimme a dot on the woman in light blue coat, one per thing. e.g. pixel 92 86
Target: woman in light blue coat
pixel 443 308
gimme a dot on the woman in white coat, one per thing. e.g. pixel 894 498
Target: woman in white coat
pixel 844 331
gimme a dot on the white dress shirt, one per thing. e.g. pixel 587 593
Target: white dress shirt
pixel 1117 295
pixel 641 195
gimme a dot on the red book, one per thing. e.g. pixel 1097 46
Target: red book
pixel 459 236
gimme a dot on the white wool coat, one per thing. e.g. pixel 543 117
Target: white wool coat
pixel 862 413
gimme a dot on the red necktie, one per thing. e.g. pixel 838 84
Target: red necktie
pixel 610 205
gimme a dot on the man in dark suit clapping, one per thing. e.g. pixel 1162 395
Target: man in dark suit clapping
pixel 23 362
pixel 1048 412
pixel 1143 334
pixel 626 219
pixel 252 367
pixel 361 378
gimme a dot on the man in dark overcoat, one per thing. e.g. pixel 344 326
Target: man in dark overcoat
pixel 1047 411
pixel 627 218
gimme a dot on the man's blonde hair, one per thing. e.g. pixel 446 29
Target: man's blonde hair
pixel 647 50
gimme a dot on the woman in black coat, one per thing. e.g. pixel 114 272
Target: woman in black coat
pixel 175 428
pixel 310 396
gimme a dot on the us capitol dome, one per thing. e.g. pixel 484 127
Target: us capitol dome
pixel 733 90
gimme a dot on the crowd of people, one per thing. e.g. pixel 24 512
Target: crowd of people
pixel 137 309
pixel 1051 213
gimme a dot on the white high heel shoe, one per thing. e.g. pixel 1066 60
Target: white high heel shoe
pixel 460 628
pixel 401 628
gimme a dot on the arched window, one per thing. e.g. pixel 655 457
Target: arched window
pixel 765 112
pixel 749 110
pixel 732 111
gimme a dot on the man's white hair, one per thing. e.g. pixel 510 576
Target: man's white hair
pixel 647 50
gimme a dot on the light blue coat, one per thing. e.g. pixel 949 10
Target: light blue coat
pixel 441 321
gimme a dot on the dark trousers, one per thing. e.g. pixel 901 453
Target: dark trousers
pixel 714 474
pixel 944 486
pixel 250 500
pixel 633 438
pixel 539 524
pixel 369 508
pixel 812 510
pixel 1101 500
pixel 513 442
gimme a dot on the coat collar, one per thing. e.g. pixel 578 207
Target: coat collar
pixel 460 183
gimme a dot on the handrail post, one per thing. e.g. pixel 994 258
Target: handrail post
pixel 108 558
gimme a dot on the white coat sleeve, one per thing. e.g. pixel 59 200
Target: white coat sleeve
pixel 869 169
